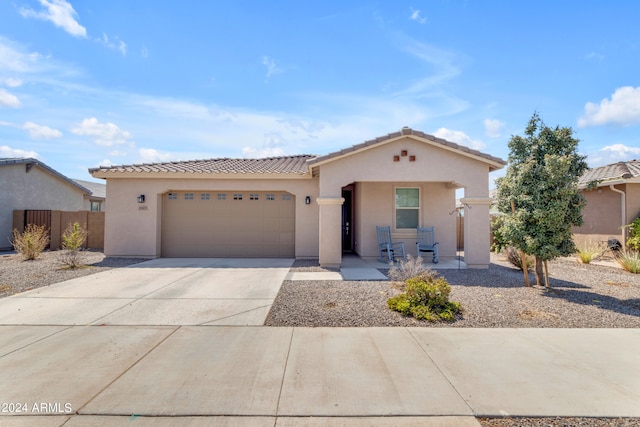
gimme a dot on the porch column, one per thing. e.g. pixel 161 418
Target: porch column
pixel 330 231
pixel 477 232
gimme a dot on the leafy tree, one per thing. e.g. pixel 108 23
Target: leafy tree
pixel 540 193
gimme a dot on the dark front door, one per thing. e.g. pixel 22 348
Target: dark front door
pixel 347 219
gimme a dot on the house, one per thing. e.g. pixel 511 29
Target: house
pixel 302 206
pixel 613 201
pixel 29 184
pixel 96 201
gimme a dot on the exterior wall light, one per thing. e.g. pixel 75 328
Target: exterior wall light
pixel 307 200
pixel 141 198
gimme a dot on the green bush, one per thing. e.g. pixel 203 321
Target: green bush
pixel 73 239
pixel 633 242
pixel 31 242
pixel 426 298
pixel 630 261
pixel 499 241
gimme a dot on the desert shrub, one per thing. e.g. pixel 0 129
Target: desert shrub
pixel 500 242
pixel 408 268
pixel 587 252
pixel 426 298
pixel 633 242
pixel 73 240
pixel 630 261
pixel 31 242
pixel 515 258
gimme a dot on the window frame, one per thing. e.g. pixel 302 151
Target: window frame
pixel 413 208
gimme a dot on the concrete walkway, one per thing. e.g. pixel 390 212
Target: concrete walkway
pixel 54 372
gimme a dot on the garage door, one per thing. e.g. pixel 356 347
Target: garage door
pixel 228 224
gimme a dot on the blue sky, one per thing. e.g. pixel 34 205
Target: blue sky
pixel 85 83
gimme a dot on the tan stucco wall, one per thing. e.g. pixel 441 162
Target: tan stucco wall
pixel 433 164
pixel 375 202
pixel 37 189
pixel 134 229
pixel 603 213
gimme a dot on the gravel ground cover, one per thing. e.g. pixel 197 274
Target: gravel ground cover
pixel 18 275
pixel 581 296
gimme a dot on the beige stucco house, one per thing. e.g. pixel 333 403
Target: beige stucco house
pixel 29 184
pixel 302 206
pixel 613 201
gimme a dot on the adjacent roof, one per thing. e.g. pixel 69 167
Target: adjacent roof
pixel 97 189
pixel 611 174
pixel 496 162
pixel 30 162
pixel 273 165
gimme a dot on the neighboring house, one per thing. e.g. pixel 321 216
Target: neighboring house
pixel 302 206
pixel 30 184
pixel 96 201
pixel 613 201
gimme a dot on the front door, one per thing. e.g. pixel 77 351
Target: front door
pixel 347 219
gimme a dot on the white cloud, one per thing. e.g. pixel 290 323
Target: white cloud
pixel 459 137
pixel 105 163
pixel 144 52
pixel 104 134
pixel 257 153
pixel 272 68
pixel 8 100
pixel 60 13
pixel 416 16
pixel 622 109
pixel 493 128
pixel 41 132
pixel 612 154
pixel 150 155
pixel 6 151
pixel 115 44
pixel 11 82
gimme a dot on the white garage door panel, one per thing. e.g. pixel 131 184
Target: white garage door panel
pixel 193 227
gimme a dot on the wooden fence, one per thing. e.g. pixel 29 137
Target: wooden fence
pixel 57 221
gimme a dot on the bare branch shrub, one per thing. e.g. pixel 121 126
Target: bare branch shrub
pixel 31 242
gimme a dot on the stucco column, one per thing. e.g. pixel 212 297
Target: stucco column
pixel 477 232
pixel 330 231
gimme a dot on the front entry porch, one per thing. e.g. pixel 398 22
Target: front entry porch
pixel 354 267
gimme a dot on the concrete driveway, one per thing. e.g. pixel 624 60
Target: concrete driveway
pixel 185 291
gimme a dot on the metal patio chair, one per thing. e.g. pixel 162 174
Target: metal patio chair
pixel 387 247
pixel 426 242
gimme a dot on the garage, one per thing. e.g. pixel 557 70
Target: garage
pixel 203 224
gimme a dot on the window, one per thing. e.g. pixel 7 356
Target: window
pixel 407 207
pixel 205 196
pixel 173 196
pixel 270 196
pixel 188 196
pixel 95 206
pixel 254 196
pixel 237 196
pixel 222 196
pixel 286 196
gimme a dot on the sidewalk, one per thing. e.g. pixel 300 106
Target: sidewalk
pixel 240 376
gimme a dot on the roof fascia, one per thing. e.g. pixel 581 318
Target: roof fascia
pixel 195 175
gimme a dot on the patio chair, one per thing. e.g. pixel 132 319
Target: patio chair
pixel 387 247
pixel 426 242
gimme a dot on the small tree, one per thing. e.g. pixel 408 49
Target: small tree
pixel 540 195
pixel 73 240
pixel 31 242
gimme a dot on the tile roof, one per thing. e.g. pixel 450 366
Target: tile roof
pixel 296 165
pixel 34 162
pixel 613 172
pixel 409 131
